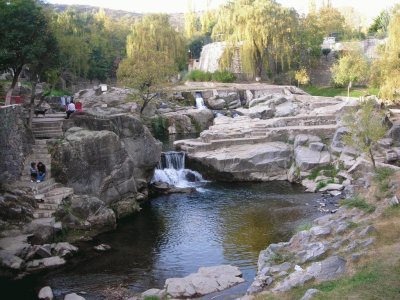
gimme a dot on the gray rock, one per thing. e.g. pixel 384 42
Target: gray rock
pixel 161 294
pixel 311 185
pixel 73 296
pixel 297 278
pixel 102 247
pixel 305 139
pixel 307 159
pixel 65 249
pixel 311 252
pixel 309 294
pixel 46 293
pixel 44 251
pixel 320 231
pixel 385 143
pixel 394 201
pixel 9 260
pixel 281 268
pixel 332 187
pixel 216 104
pixel 367 230
pixel 317 146
pixel 45 263
pixel 328 269
pixel 205 281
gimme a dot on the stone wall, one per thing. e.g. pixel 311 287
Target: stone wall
pixel 16 142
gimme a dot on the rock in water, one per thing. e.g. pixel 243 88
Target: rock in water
pixel 102 247
pixel 205 281
pixel 73 296
pixel 46 293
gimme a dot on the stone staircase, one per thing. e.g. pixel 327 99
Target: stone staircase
pixel 48 193
pixel 49 126
pixel 245 131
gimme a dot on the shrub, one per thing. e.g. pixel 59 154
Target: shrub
pixel 321 185
pixel 382 174
pixel 219 76
pixel 223 76
pixel 359 202
pixel 198 75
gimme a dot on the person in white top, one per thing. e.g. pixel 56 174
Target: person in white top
pixel 70 109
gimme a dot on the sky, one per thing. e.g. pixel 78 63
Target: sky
pixel 370 8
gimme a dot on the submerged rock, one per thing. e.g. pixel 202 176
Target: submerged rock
pixel 46 293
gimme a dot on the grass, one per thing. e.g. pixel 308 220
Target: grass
pixel 383 180
pixel 335 91
pixel 304 226
pixel 328 171
pixel 359 202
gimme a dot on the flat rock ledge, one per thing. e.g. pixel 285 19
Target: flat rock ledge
pixel 207 280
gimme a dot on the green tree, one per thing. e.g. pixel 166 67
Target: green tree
pixel 351 68
pixel 263 30
pixel 154 32
pixel 147 72
pixel 24 37
pixel 380 24
pixel 366 127
pixel 302 76
pixel 331 21
pixel 389 64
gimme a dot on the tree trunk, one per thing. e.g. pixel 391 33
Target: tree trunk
pixel 31 103
pixel 372 158
pixel 13 84
pixel 348 90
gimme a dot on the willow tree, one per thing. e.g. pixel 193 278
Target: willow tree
pixel 389 64
pixel 154 32
pixel 262 29
pixel 156 51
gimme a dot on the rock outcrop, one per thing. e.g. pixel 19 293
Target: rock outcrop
pixel 110 158
pixel 16 142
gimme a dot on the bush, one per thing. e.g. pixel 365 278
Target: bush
pixel 223 76
pixel 219 76
pixel 198 75
pixel 359 202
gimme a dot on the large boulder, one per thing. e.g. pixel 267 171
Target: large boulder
pixel 110 158
pixel 86 212
pixel 207 280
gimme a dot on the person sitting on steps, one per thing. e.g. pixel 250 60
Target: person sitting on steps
pixel 70 108
pixel 34 172
pixel 41 171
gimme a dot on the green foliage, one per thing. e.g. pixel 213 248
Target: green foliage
pixel 326 51
pixel 151 298
pixel 91 44
pixel 223 76
pixel 196 44
pixel 380 24
pixel 304 227
pixel 352 67
pixel 321 185
pixel 335 91
pixel 159 125
pixel 365 127
pixel 198 75
pixel 302 77
pixel 359 202
pixel 388 66
pixel 328 171
pixel 155 33
pixel 25 38
pixel 262 29
pixel 218 76
pixel 383 180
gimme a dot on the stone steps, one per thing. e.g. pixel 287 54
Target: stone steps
pixel 42 213
pixel 49 135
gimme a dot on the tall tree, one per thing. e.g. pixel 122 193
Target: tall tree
pixel 155 51
pixel 154 32
pixel 263 30
pixel 389 64
pixel 351 68
pixel 24 37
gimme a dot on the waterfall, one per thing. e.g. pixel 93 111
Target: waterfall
pixel 200 103
pixel 171 170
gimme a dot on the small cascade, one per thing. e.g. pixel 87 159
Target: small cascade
pixel 171 170
pixel 200 101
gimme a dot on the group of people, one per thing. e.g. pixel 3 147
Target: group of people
pixel 38 172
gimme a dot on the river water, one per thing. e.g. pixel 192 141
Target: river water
pixel 174 235
pixel 222 223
